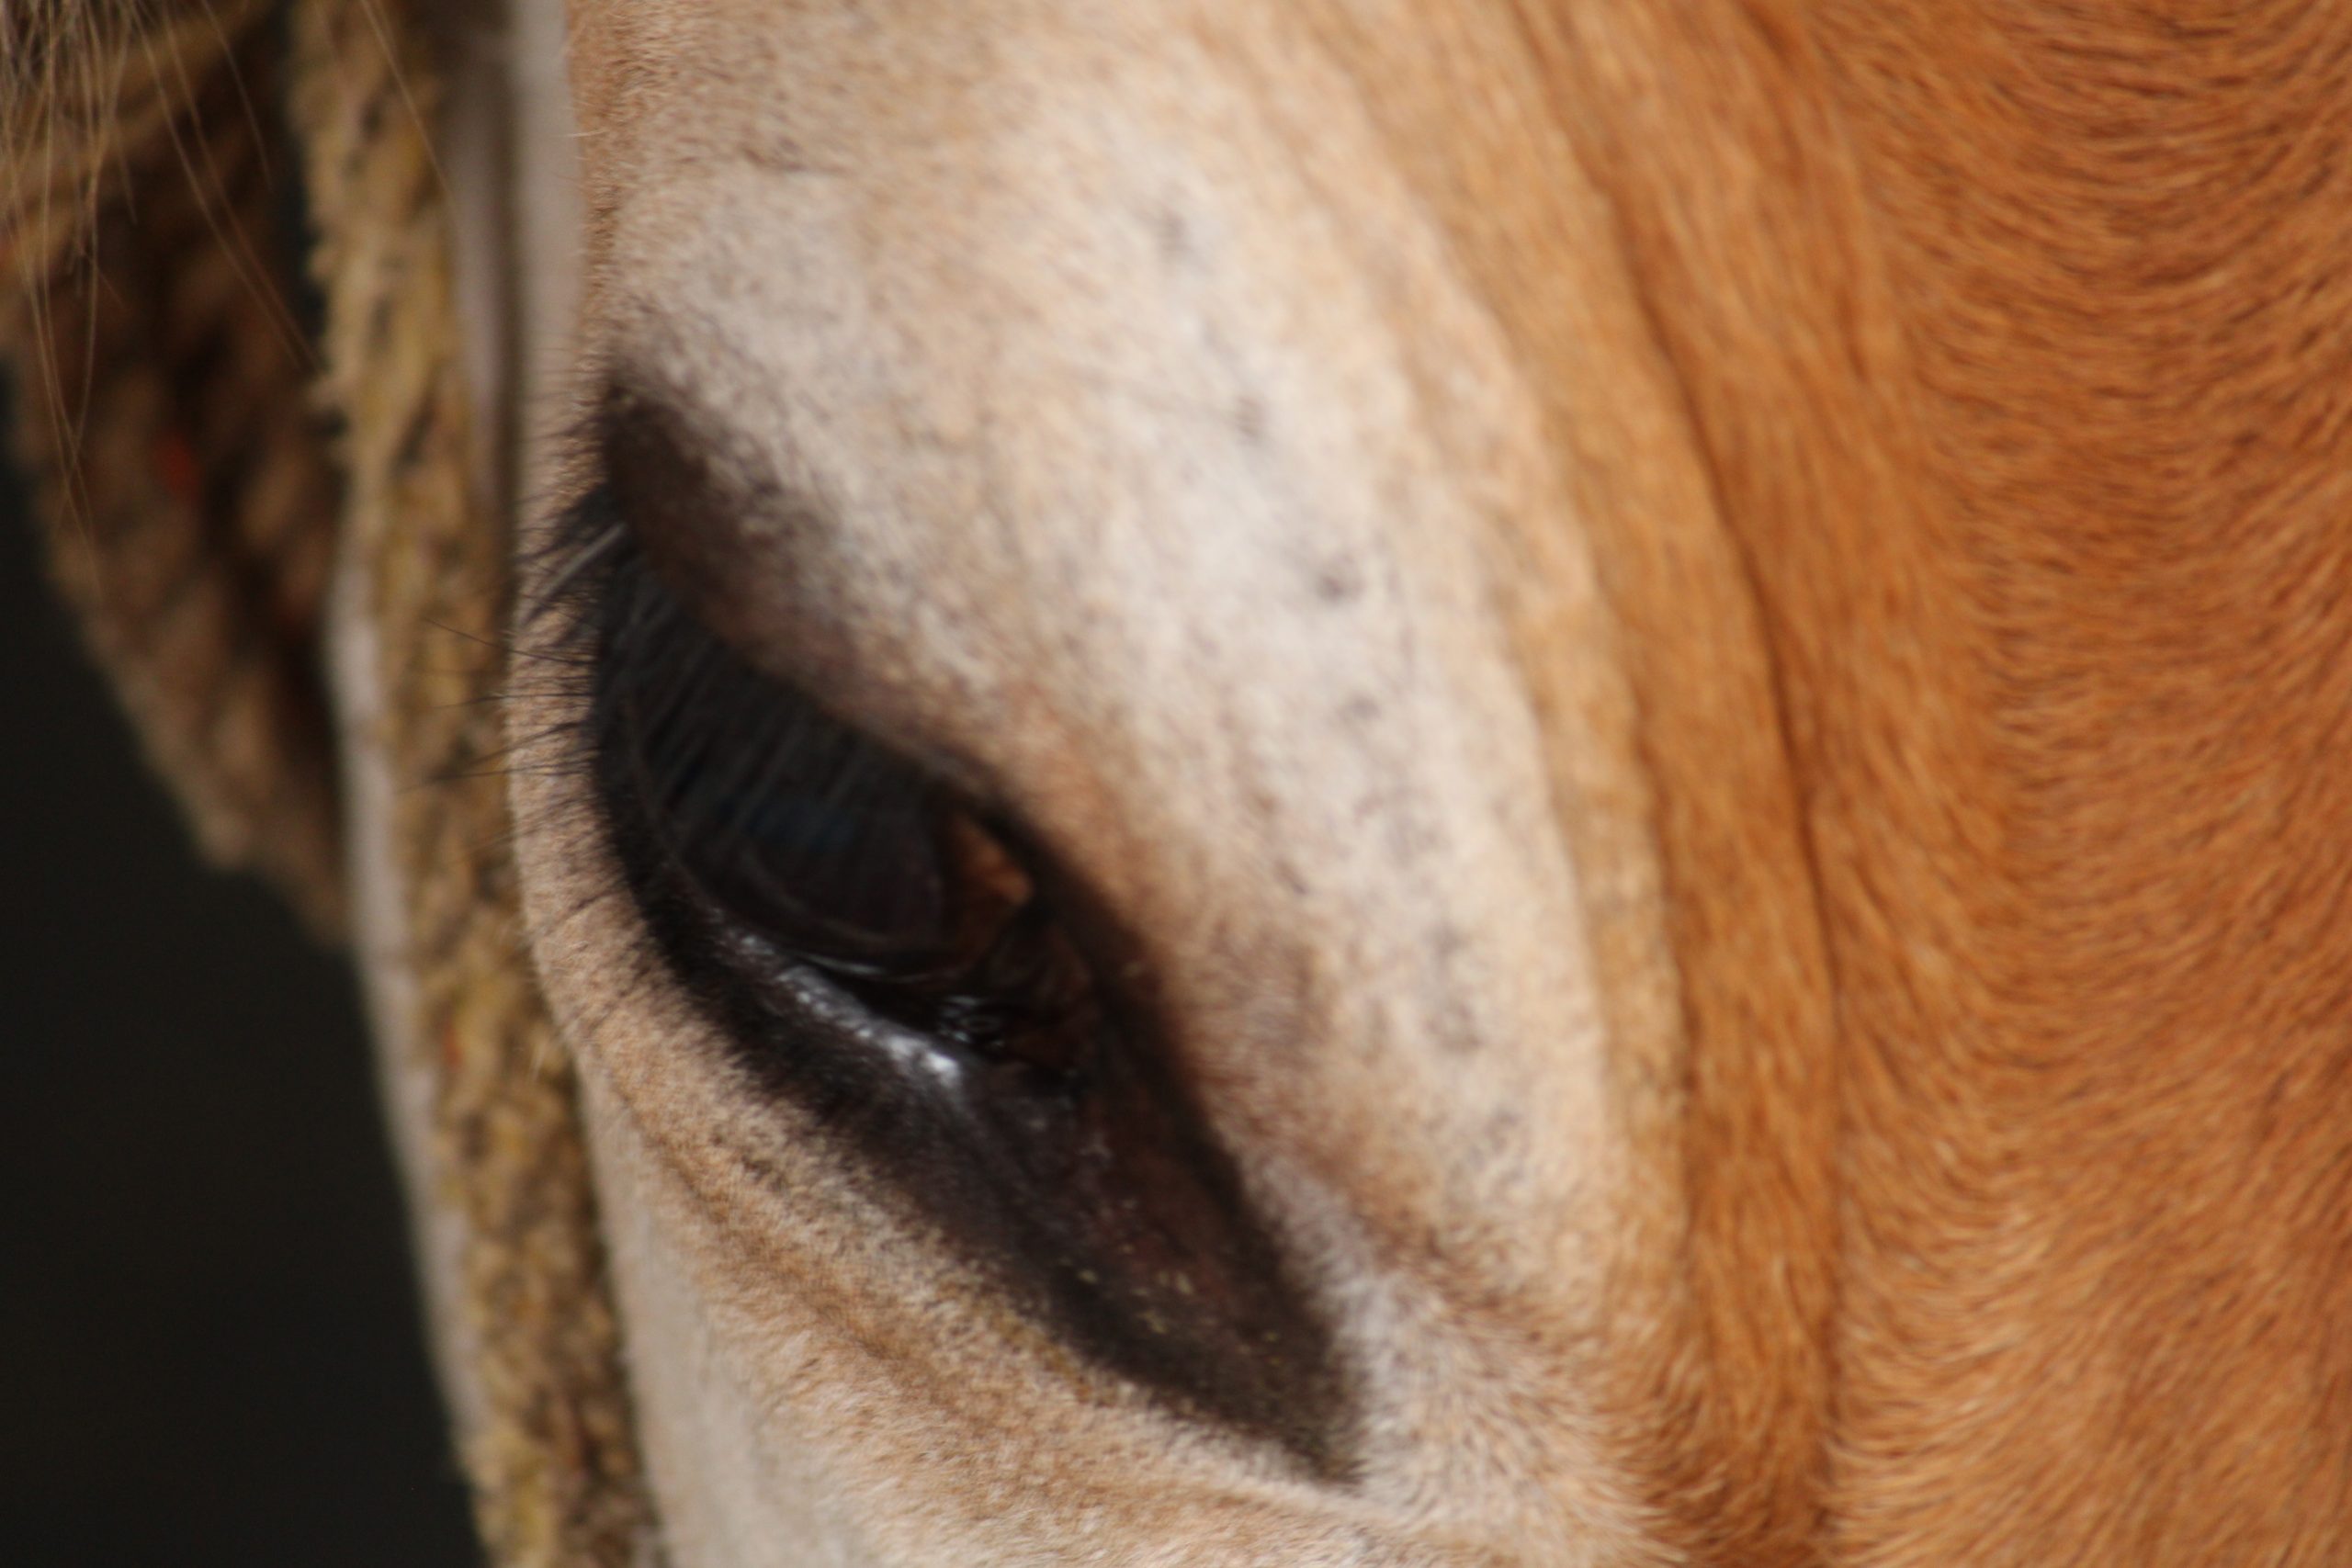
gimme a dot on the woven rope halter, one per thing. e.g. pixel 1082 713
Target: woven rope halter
pixel 201 462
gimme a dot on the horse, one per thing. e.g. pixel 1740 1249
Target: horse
pixel 1501 781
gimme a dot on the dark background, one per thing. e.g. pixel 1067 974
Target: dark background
pixel 210 1349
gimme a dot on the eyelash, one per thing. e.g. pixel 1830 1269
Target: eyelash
pixel 849 862
pixel 901 963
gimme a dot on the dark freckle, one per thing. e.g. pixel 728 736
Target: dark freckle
pixel 783 156
pixel 1360 711
pixel 1452 1028
pixel 762 1171
pixel 1175 236
pixel 1249 420
pixel 1338 582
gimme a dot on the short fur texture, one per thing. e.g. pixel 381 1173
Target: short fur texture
pixel 1709 638
pixel 549 1449
pixel 160 388
pixel 1949 399
pixel 173 409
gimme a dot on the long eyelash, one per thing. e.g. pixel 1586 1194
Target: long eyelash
pixel 584 557
pixel 551 655
pixel 663 682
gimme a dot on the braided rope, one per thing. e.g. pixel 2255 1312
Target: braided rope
pixel 171 418
pixel 554 1466
pixel 162 419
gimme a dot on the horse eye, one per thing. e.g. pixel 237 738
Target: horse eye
pixel 798 839
pixel 822 846
pixel 887 955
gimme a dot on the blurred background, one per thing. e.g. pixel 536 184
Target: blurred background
pixel 212 1348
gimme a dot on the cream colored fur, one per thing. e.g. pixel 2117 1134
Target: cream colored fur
pixel 1706 642
pixel 1165 453
pixel 1588 576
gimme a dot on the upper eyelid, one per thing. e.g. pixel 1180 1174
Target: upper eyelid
pixel 769 569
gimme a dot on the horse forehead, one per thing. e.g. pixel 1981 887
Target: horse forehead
pixel 1156 201
pixel 1103 406
pixel 1066 323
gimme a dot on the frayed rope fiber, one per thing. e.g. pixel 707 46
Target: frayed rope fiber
pixel 199 466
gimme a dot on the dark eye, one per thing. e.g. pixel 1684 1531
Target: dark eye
pixel 904 964
pixel 799 836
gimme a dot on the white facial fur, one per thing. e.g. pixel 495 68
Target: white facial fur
pixel 1157 457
